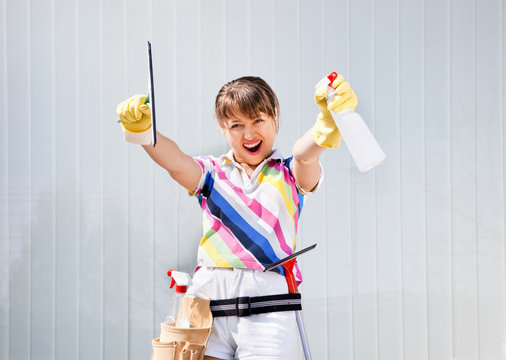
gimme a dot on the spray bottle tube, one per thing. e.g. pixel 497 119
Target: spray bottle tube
pixel 177 316
pixel 362 145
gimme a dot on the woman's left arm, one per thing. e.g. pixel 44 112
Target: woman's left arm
pixel 308 148
pixel 324 134
pixel 306 161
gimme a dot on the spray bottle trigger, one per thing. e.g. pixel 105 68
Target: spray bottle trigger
pixel 173 282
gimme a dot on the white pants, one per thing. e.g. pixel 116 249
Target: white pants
pixel 262 336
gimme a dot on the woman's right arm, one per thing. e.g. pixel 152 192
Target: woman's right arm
pixel 180 166
pixel 135 116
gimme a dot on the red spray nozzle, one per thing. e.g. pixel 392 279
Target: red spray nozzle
pixel 332 76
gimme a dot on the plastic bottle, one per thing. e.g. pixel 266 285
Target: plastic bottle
pixel 362 145
pixel 176 317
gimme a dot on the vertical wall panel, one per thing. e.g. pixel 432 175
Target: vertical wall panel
pixel 237 39
pixel 188 78
pixel 42 169
pixel 388 206
pixel 286 82
pixel 67 182
pixel 115 183
pixel 90 173
pixel 19 177
pixel 363 201
pixel 463 196
pixel 213 73
pixel 503 115
pixel 438 178
pixel 413 197
pixel 489 205
pixel 262 37
pixel 4 192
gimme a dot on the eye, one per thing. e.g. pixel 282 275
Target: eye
pixel 258 121
pixel 235 126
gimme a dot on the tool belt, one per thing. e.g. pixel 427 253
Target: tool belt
pixel 190 344
pixel 177 343
pixel 246 305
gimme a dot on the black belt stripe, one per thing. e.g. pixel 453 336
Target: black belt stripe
pixel 245 306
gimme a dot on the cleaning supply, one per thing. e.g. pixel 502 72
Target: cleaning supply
pixel 137 114
pixel 151 96
pixel 185 332
pixel 177 314
pixel 325 131
pixel 341 100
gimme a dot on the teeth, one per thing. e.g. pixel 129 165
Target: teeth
pixel 250 146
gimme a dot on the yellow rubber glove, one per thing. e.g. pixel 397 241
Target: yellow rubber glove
pixel 345 97
pixel 135 114
pixel 325 131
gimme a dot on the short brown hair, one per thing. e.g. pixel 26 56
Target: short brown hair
pixel 248 95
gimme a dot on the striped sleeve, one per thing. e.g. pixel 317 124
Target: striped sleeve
pixel 207 165
pixel 288 164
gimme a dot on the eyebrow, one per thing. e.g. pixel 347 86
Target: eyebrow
pixel 254 118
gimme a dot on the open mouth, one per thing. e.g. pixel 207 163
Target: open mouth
pixel 253 147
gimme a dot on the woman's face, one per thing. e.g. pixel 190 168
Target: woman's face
pixel 251 139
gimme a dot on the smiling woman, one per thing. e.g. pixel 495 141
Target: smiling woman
pixel 251 200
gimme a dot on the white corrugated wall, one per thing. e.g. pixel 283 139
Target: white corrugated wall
pixel 410 262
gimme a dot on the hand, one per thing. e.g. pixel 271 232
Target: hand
pixel 135 114
pixel 345 97
pixel 325 131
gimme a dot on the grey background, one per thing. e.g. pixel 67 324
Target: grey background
pixel 410 262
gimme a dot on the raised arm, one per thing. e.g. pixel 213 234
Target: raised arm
pixel 306 164
pixel 180 165
pixel 135 118
pixel 324 134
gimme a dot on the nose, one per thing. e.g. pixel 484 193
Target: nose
pixel 249 133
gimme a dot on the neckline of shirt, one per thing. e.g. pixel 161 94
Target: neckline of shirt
pixel 276 155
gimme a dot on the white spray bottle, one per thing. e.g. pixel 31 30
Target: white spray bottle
pixel 362 145
pixel 177 317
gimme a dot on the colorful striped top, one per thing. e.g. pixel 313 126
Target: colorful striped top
pixel 248 222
